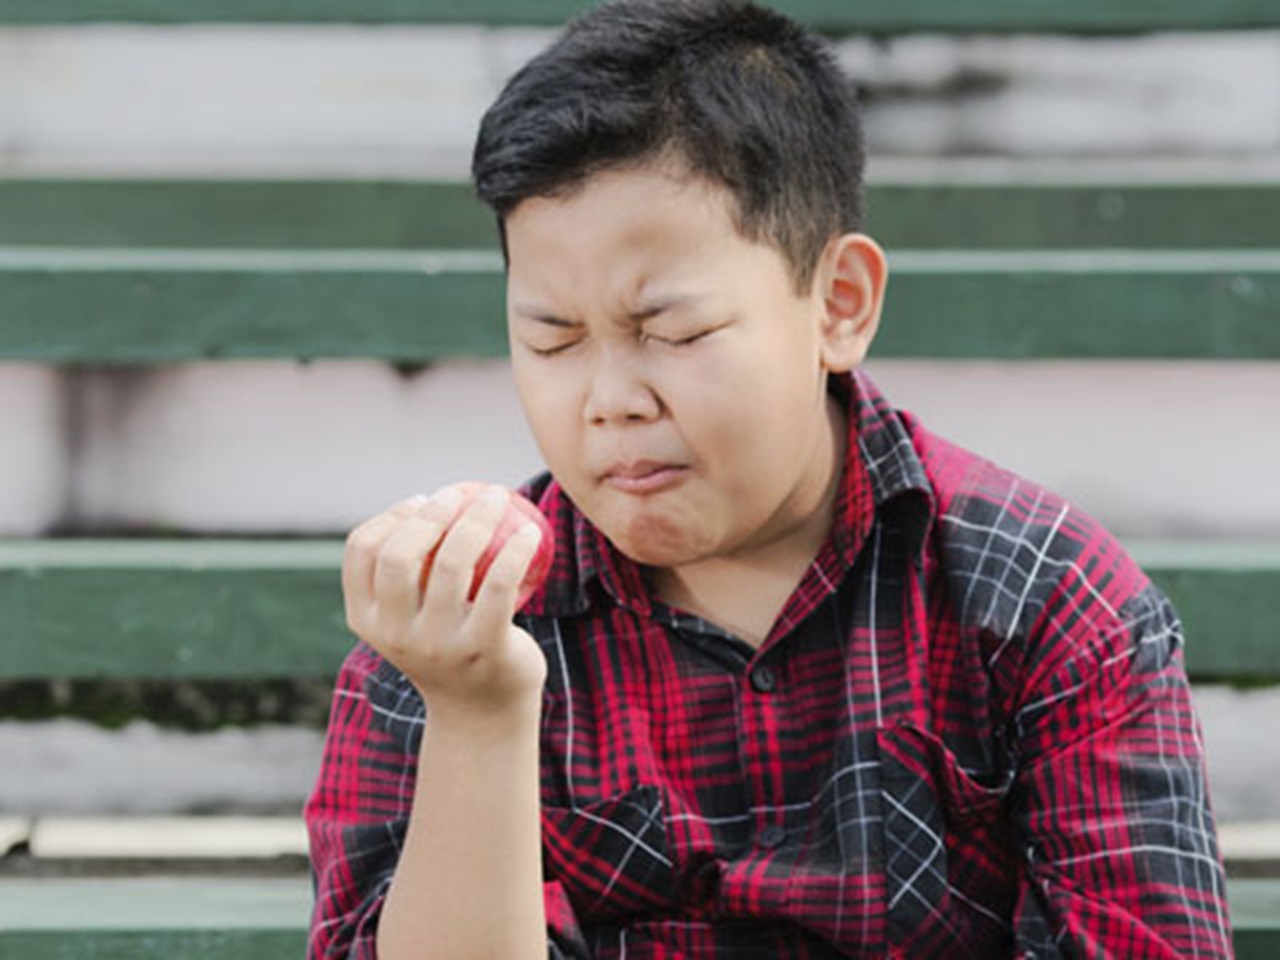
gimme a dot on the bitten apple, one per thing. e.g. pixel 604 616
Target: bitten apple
pixel 519 511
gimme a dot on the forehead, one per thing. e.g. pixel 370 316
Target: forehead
pixel 653 219
pixel 630 199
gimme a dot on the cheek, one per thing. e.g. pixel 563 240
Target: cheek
pixel 753 447
pixel 549 413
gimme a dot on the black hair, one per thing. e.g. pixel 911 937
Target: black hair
pixel 742 96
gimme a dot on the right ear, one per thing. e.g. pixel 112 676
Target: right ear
pixel 853 275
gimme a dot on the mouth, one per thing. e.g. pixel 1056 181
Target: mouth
pixel 643 476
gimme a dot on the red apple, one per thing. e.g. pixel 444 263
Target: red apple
pixel 519 511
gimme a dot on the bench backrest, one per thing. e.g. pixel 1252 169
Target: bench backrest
pixel 833 16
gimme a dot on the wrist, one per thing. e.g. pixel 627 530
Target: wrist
pixel 484 722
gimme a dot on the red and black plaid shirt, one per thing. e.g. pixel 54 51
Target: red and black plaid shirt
pixel 969 734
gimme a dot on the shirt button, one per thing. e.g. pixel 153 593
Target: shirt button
pixel 763 679
pixel 771 837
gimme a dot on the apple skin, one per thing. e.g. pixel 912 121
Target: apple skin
pixel 519 511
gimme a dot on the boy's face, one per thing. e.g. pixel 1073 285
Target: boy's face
pixel 673 379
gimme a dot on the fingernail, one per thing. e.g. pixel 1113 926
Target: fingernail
pixel 418 500
pixel 494 495
pixel 447 497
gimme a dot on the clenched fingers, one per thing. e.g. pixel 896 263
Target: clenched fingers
pixel 496 600
pixel 428 517
pixel 454 565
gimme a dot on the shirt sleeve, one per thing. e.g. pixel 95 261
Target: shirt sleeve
pixel 1111 804
pixel 356 818
pixel 358 813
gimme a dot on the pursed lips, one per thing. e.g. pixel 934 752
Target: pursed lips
pixel 642 476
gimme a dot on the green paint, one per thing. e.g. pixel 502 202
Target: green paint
pixel 159 945
pixel 839 16
pixel 155 306
pixel 153 918
pixel 390 215
pixel 1255 918
pixel 228 609
pixel 304 214
pixel 229 919
pixel 127 904
pixel 186 609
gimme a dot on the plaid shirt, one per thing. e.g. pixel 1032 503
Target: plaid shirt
pixel 969 734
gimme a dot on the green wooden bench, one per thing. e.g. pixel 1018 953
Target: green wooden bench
pixel 188 609
pixel 314 304
pixel 237 919
pixel 835 16
pixel 1193 266
pixel 1146 209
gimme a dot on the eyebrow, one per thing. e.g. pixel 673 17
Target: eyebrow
pixel 646 311
pixel 532 313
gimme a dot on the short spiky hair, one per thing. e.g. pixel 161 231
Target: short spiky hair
pixel 742 96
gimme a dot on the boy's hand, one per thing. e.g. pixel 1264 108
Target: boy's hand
pixel 465 657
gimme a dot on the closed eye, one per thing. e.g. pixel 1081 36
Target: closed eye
pixel 679 341
pixel 549 351
pixel 544 327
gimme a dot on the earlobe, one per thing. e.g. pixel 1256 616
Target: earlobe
pixel 853 276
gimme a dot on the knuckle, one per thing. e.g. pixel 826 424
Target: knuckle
pixel 504 577
pixel 362 542
pixel 396 562
pixel 449 566
pixel 481 515
pixel 394 565
pixel 357 544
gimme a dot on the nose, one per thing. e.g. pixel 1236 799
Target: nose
pixel 618 391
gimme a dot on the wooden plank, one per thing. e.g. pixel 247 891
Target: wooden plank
pixel 837 16
pixel 154 306
pixel 209 608
pixel 1255 918
pixel 405 214
pixel 121 843
pixel 153 918
pixel 147 945
pixel 161 306
pixel 199 608
pixel 246 919
pixel 300 214
pixel 190 839
pixel 154 903
pixel 1228 596
pixel 1025 216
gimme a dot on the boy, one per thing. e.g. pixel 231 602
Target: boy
pixel 806 681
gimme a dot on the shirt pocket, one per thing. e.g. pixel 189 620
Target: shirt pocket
pixel 611 856
pixel 926 794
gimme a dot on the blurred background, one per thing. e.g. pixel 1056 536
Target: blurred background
pixel 283 448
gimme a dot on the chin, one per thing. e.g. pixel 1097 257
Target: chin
pixel 656 542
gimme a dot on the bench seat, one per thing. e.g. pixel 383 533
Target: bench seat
pixel 259 608
pixel 246 918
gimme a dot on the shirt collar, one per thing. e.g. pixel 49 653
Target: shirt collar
pixel 886 439
pixel 883 478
